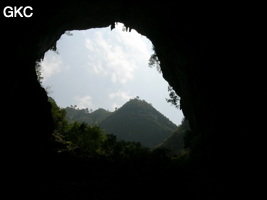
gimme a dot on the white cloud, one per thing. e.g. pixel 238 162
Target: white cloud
pixel 122 95
pixel 84 102
pixel 115 106
pixel 116 54
pixel 99 68
pixel 110 66
pixel 89 44
pixel 51 64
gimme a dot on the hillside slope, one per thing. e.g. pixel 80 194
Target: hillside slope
pixel 138 121
pixel 83 115
pixel 175 142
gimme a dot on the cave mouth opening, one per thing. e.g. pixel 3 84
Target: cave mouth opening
pixel 179 37
pixel 105 68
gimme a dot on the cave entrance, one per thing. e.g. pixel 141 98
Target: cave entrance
pixel 199 51
pixel 100 68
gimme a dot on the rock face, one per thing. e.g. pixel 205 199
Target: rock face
pixel 196 48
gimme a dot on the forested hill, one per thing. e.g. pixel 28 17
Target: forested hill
pixel 85 115
pixel 179 139
pixel 136 121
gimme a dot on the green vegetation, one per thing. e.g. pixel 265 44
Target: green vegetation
pixel 87 160
pixel 135 121
pixel 84 161
pixel 178 141
pixel 90 141
pixel 88 116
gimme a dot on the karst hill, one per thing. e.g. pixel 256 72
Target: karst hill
pixel 208 53
pixel 136 121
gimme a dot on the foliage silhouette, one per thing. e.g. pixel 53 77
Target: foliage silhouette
pixel 174 98
pixel 84 158
pixel 155 62
pixel 136 121
pixel 180 140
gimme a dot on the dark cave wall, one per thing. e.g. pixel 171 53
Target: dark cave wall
pixel 50 22
pixel 195 48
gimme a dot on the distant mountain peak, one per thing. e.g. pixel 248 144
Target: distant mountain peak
pixel 84 115
pixel 136 121
pixel 139 121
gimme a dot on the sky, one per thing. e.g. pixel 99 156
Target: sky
pixel 100 68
